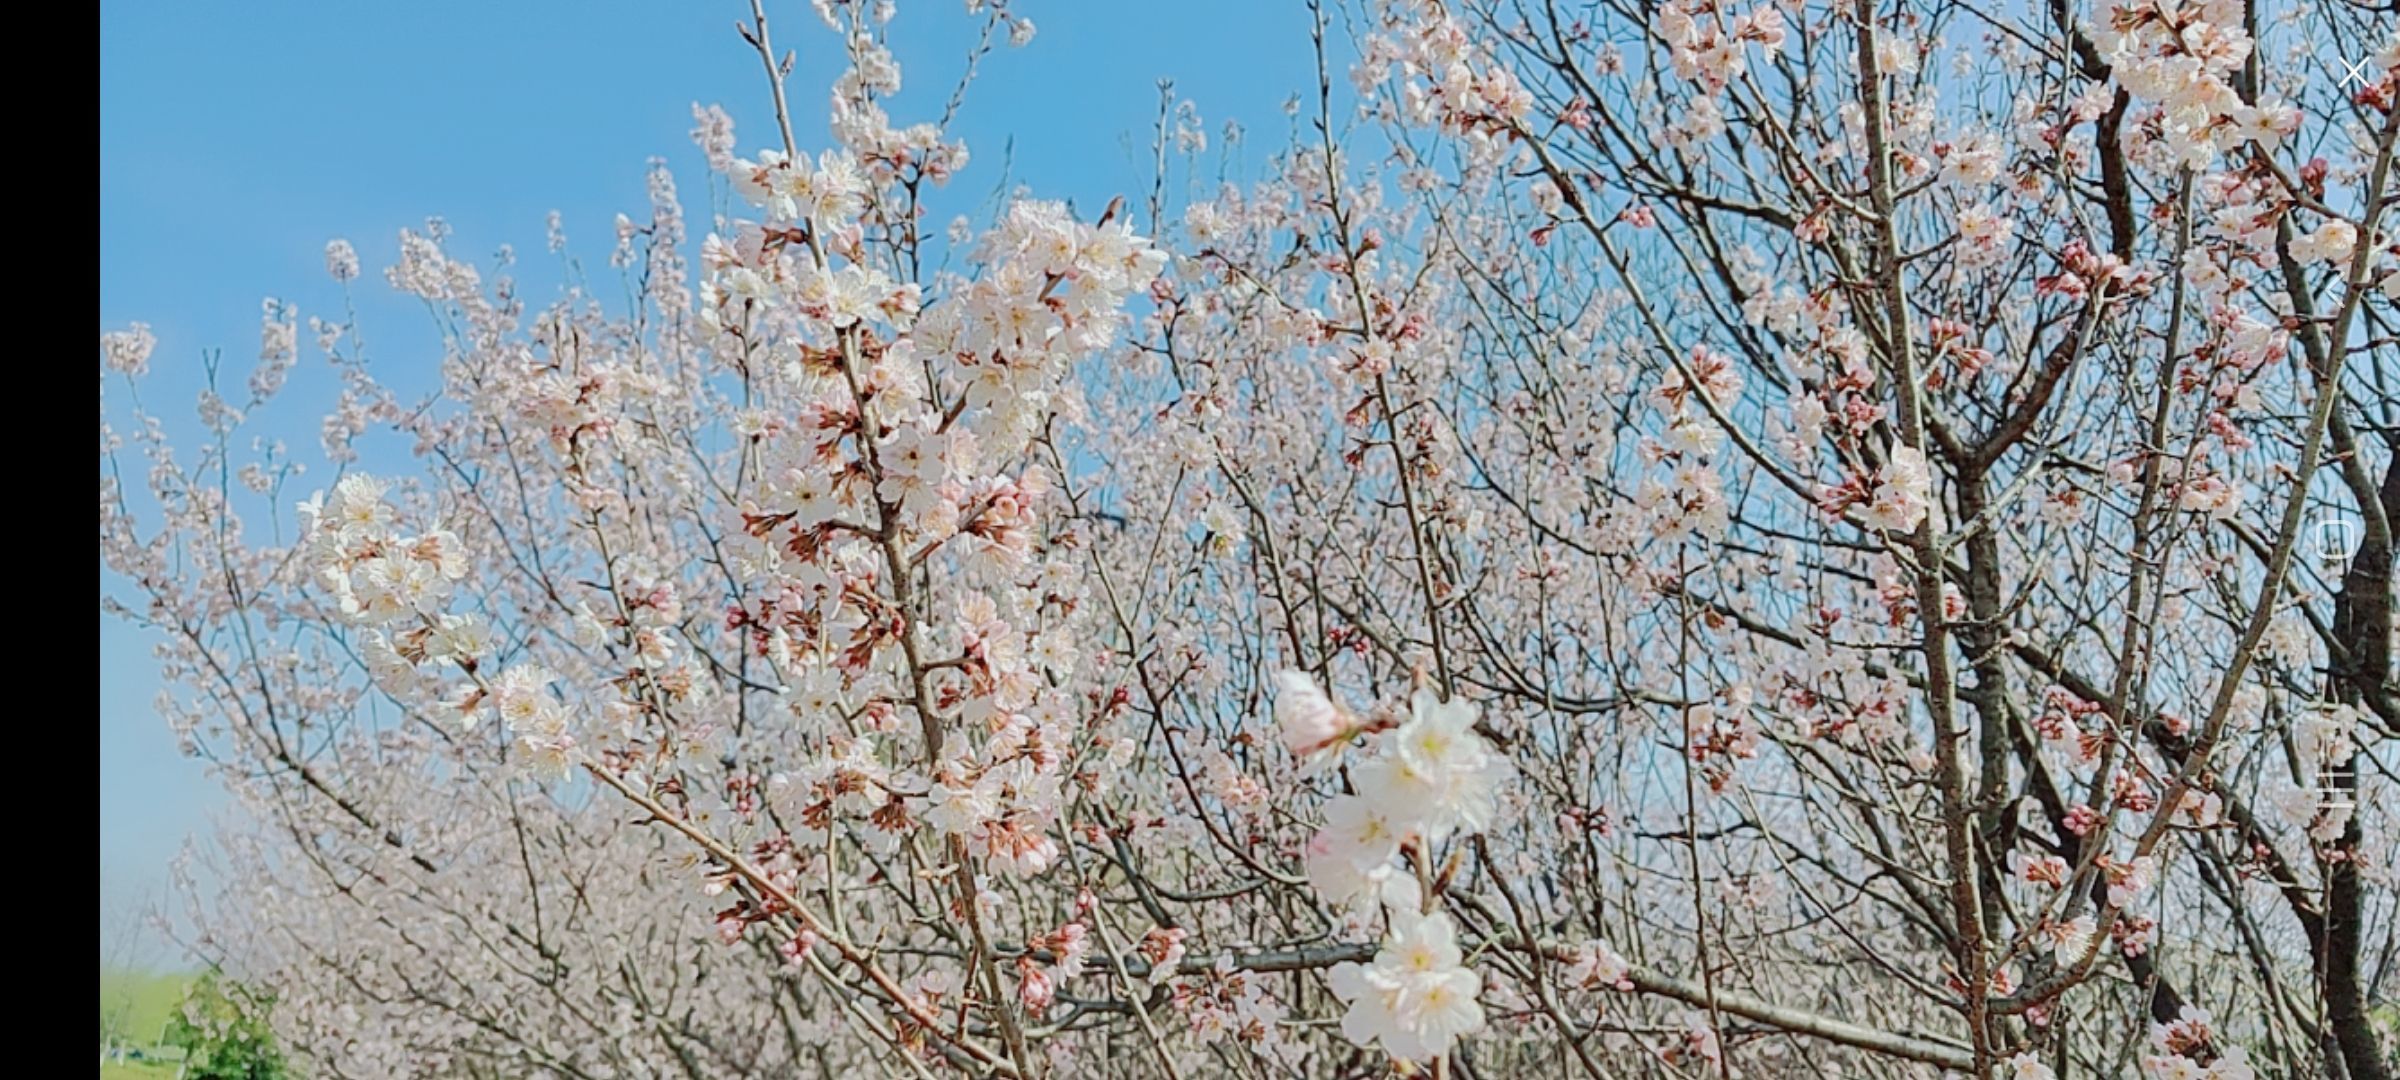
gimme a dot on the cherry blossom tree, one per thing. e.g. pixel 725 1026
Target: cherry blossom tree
pixel 1683 539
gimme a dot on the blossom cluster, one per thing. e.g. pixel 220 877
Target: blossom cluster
pixel 1426 779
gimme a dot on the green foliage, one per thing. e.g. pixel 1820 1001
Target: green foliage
pixel 223 1032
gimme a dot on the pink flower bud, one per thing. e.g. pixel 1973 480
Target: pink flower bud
pixel 1306 719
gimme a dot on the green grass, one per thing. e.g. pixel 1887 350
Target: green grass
pixel 147 1000
pixel 141 1003
pixel 141 1071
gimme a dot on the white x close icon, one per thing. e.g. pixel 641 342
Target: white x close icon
pixel 2355 73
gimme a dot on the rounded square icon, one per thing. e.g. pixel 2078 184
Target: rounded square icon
pixel 2336 539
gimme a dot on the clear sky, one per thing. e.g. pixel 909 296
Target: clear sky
pixel 237 138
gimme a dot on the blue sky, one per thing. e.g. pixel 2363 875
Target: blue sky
pixel 236 139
